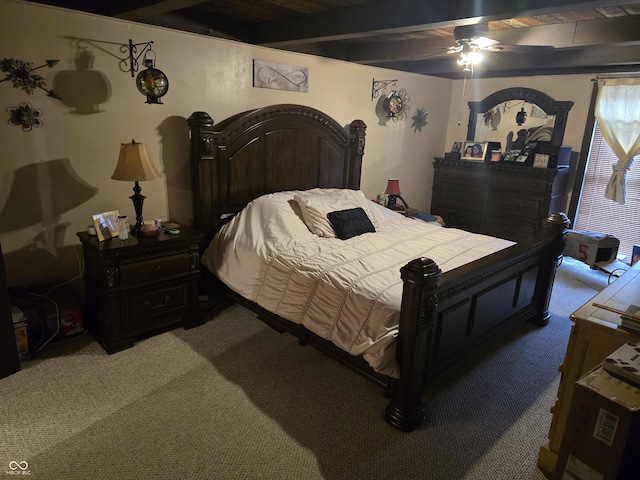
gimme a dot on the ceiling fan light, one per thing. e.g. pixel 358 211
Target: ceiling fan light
pixel 474 57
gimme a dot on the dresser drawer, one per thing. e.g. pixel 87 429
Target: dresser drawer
pixel 517 208
pixel 520 183
pixel 459 198
pixel 469 176
pixel 457 219
pixel 153 269
pixel 514 230
pixel 154 308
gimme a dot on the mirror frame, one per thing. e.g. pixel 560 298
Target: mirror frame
pixel 542 100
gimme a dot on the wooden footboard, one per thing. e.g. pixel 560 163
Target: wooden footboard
pixel 447 317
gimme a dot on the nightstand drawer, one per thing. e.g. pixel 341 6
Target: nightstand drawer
pixel 153 269
pixel 149 308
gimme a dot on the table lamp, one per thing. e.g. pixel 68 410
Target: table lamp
pixel 393 190
pixel 134 165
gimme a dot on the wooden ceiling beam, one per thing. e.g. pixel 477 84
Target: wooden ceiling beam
pixel 596 59
pixel 140 9
pixel 402 16
pixel 563 35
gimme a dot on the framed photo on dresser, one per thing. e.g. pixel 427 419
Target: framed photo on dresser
pixel 475 151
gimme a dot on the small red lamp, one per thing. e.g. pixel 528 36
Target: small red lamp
pixel 393 190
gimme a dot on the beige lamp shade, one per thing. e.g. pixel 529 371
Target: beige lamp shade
pixel 134 163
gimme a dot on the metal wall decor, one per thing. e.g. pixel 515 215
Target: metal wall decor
pixel 22 75
pixel 419 120
pixel 152 83
pixel 25 115
pixel 381 86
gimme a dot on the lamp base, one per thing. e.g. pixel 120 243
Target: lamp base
pixel 393 205
pixel 138 199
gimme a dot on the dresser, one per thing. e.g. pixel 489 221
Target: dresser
pixel 594 336
pixel 140 286
pixel 498 199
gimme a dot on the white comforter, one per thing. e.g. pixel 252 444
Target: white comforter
pixel 346 291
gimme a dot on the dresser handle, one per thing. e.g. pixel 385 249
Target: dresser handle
pixel 148 304
pixel 157 268
pixel 514 206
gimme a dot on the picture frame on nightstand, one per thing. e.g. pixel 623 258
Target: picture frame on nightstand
pixel 106 224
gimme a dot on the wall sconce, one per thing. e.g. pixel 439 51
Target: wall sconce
pixel 521 116
pixel 134 165
pixel 150 82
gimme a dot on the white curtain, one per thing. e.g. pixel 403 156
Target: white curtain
pixel 618 115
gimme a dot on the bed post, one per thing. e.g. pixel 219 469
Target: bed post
pixel 202 169
pixel 357 129
pixel 556 224
pixel 406 411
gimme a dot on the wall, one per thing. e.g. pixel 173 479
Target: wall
pixel 55 177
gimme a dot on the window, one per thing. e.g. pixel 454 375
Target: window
pixel 599 214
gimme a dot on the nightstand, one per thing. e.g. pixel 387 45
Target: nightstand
pixel 141 286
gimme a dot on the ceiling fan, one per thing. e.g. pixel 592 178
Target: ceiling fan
pixel 472 40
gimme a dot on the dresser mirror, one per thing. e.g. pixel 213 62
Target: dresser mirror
pixel 515 116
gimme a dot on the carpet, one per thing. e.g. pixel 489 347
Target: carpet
pixel 233 399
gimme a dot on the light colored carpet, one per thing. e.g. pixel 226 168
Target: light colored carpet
pixel 233 399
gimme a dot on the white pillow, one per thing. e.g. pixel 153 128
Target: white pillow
pixel 316 203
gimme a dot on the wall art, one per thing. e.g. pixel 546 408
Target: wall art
pixel 278 76
pixel 22 75
pixel 420 120
pixel 25 115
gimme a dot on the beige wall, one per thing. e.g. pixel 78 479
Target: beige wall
pixel 53 178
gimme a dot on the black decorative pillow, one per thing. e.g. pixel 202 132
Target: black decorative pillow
pixel 350 222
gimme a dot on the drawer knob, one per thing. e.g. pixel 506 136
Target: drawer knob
pixel 150 305
pixel 157 268
pixel 514 206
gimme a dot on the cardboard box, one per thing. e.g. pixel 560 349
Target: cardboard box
pixel 591 247
pixel 624 363
pixel 602 439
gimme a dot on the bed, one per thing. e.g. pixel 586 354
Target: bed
pixel 437 317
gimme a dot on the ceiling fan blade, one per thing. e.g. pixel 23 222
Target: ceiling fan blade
pixel 531 49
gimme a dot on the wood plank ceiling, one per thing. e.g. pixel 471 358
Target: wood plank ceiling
pixel 536 37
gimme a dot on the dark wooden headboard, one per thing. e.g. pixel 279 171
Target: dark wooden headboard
pixel 266 150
